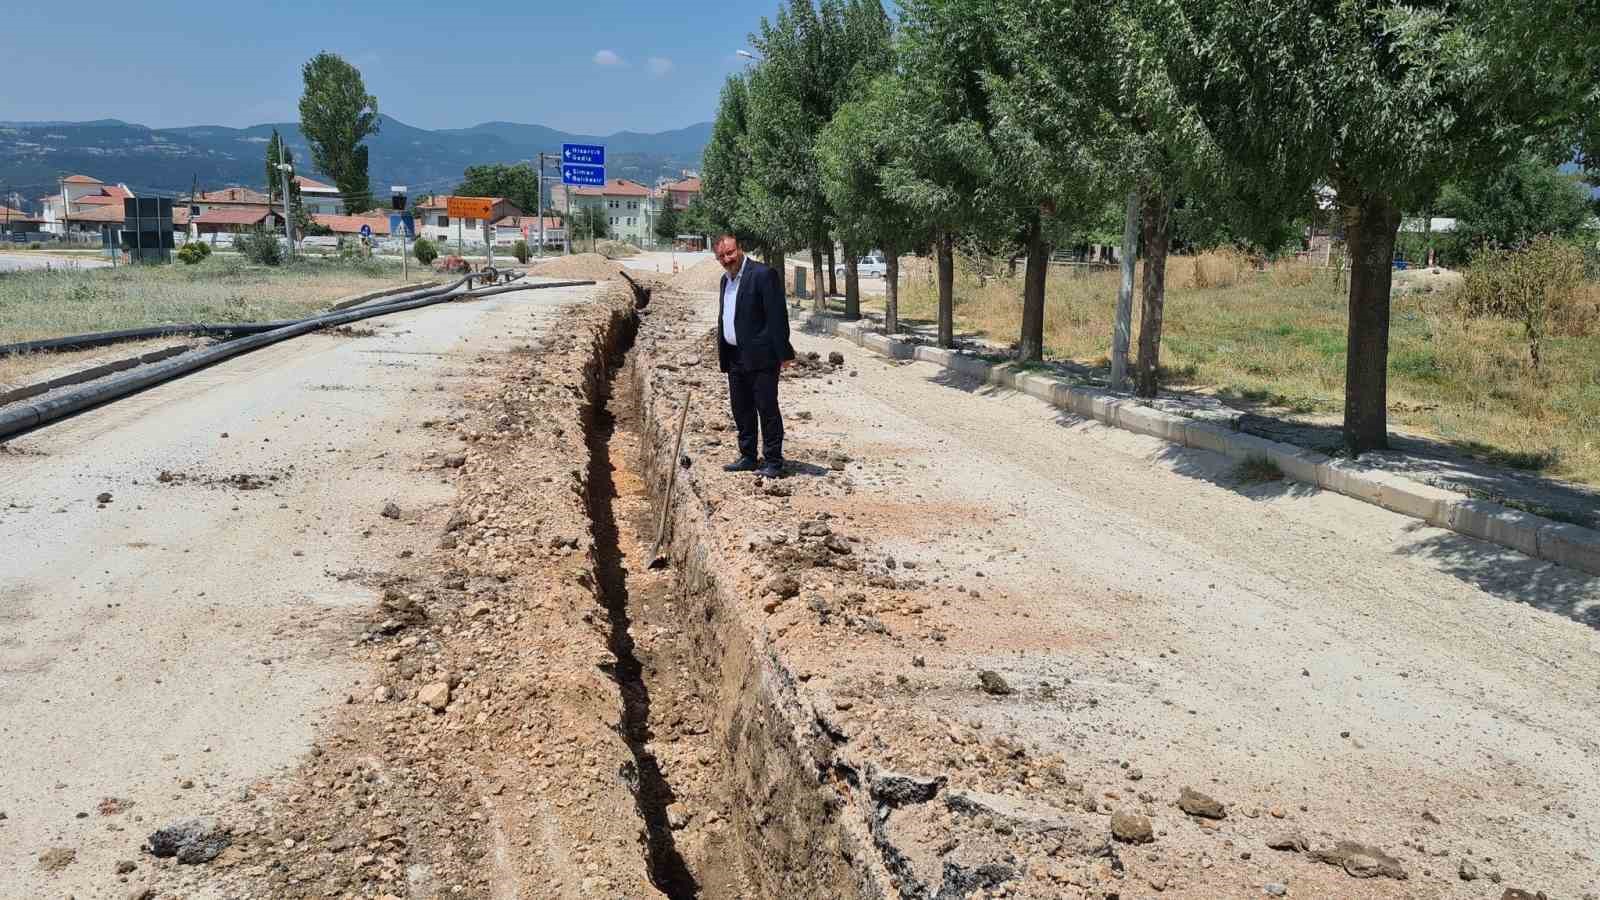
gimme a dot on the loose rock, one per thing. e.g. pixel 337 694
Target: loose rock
pixel 1132 827
pixel 391 510
pixel 1195 803
pixel 1361 861
pixel 435 696
pixel 993 684
pixel 192 841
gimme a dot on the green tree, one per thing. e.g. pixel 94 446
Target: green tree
pixel 336 116
pixel 791 96
pixel 726 161
pixel 668 221
pixel 944 52
pixel 589 222
pixel 1383 101
pixel 1513 205
pixel 857 148
pixel 697 219
pixel 518 183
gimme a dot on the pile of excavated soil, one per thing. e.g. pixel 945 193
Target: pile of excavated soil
pixel 616 249
pixel 705 275
pixel 580 265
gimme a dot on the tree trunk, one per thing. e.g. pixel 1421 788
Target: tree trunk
pixel 1031 346
pixel 1156 218
pixel 775 260
pixel 947 290
pixel 891 290
pixel 852 285
pixel 1370 226
pixel 833 282
pixel 819 300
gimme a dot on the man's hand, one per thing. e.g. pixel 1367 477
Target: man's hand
pixel 785 363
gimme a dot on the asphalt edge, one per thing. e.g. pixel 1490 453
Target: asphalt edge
pixel 1559 542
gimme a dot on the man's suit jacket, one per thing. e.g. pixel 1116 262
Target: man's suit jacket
pixel 760 322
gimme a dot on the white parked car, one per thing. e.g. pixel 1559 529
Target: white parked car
pixel 871 265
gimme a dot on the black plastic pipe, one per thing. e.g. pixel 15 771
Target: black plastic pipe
pixel 24 417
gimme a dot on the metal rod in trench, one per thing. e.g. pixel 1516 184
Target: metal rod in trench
pixel 657 559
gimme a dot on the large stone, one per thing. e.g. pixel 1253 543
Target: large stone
pixel 1195 803
pixel 1361 861
pixel 192 841
pixel 435 696
pixel 992 683
pixel 1132 827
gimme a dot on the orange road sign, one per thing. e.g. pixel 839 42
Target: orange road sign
pixel 470 207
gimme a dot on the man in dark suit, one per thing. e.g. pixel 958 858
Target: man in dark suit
pixel 752 345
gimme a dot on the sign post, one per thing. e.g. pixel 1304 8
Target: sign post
pixel 397 202
pixel 459 208
pixel 582 165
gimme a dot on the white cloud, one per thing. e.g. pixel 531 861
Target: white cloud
pixel 659 66
pixel 607 58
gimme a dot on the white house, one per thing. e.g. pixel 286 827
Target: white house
pixel 435 224
pixel 318 198
pixel 84 205
pixel 511 229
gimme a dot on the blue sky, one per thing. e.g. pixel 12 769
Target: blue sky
pixel 591 66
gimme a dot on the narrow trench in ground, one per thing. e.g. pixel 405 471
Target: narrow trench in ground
pixel 667 868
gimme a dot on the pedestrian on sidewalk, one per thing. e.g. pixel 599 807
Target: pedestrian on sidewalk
pixel 752 345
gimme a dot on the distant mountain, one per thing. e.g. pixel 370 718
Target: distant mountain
pixel 155 161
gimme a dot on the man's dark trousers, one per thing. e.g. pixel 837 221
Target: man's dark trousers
pixel 754 395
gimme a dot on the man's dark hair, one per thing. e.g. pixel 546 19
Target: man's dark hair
pixel 724 236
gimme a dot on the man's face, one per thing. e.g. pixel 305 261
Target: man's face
pixel 729 254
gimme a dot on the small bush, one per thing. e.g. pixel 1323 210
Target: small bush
pixel 190 253
pixel 1257 470
pixel 521 252
pixel 35 246
pixel 1537 285
pixel 424 251
pixel 260 247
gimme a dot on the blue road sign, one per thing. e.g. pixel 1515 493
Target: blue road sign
pixel 583 176
pixel 402 223
pixel 584 154
pixel 366 231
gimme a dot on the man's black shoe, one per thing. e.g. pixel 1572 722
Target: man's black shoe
pixel 743 464
pixel 771 469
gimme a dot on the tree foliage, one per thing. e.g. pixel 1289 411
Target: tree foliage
pixel 668 221
pixel 518 183
pixel 1511 206
pixel 336 116
pixel 726 161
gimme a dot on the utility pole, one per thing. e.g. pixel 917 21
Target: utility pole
pixel 66 215
pixel 541 206
pixel 288 221
pixel 1123 328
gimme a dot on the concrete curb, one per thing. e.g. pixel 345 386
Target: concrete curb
pixel 1558 542
pixel 89 374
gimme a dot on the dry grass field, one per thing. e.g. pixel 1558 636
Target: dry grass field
pixel 1277 339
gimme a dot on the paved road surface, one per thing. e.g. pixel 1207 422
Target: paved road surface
pixel 182 641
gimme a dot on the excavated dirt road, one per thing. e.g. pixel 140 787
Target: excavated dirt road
pixel 967 648
pixel 173 646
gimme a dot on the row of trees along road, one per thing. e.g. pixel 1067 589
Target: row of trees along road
pixel 1017 123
